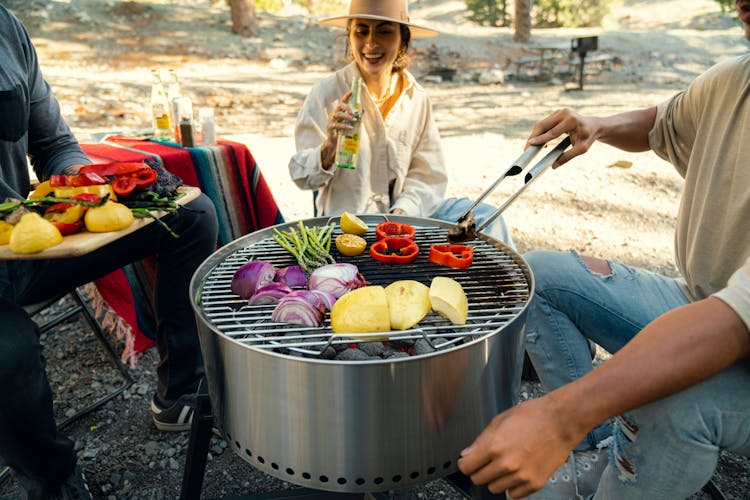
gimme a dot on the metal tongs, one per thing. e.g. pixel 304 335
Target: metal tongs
pixel 466 228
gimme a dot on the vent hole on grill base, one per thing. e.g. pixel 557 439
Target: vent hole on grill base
pixel 447 464
pixel 378 480
pixel 341 480
pixel 306 475
pixel 414 475
pixel 360 481
pixel 431 470
pixel 290 471
pixel 323 479
pixel 261 460
pixel 248 452
pixel 274 466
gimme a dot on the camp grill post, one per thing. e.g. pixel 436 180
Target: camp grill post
pixel 581 46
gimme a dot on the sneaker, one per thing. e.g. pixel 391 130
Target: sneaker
pixel 577 478
pixel 75 487
pixel 176 417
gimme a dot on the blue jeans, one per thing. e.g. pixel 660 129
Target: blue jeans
pixel 669 448
pixel 571 304
pixel 453 208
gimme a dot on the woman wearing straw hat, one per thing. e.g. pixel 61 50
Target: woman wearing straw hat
pixel 400 168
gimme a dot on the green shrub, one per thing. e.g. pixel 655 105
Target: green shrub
pixel 545 13
pixel 569 13
pixel 488 12
pixel 726 5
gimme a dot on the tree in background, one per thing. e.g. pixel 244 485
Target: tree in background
pixel 522 21
pixel 244 20
pixel 726 5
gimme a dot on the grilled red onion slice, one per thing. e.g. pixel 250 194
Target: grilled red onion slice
pixel 300 307
pixel 251 276
pixel 270 293
pixel 336 279
pixel 293 276
pixel 326 297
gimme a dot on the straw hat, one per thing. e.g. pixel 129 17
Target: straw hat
pixel 385 10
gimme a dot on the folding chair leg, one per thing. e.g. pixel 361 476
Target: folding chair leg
pixel 111 354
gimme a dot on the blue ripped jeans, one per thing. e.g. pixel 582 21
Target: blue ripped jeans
pixel 572 303
pixel 667 449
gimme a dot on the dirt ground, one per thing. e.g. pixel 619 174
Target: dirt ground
pixel 96 54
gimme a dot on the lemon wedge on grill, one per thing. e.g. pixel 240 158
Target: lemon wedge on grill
pixel 351 224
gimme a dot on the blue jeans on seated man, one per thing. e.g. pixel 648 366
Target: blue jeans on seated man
pixel 453 208
pixel 678 438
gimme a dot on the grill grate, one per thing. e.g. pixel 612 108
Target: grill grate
pixel 495 284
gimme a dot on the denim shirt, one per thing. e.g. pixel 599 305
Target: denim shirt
pixel 30 120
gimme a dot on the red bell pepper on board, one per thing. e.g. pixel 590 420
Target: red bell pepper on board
pixel 456 256
pixel 86 179
pixel 394 251
pixel 114 169
pixel 394 230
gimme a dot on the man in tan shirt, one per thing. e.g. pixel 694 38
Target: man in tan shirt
pixel 678 385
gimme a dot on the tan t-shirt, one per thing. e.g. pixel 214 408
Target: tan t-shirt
pixel 703 132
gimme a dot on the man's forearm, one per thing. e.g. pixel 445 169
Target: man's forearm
pixel 627 131
pixel 679 349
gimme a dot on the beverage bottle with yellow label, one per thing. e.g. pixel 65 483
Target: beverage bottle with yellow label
pixel 347 148
pixel 160 109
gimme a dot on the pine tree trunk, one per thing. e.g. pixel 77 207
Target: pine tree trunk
pixel 244 21
pixel 522 21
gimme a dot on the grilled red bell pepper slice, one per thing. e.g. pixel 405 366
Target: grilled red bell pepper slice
pixel 115 168
pixel 394 250
pixel 456 256
pixel 124 185
pixel 85 179
pixel 144 178
pixel 394 230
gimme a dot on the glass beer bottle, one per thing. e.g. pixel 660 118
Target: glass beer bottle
pixel 160 107
pixel 347 148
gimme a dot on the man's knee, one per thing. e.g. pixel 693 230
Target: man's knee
pixel 599 266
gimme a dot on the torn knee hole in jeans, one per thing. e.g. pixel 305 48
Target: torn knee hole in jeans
pixel 624 433
pixel 599 267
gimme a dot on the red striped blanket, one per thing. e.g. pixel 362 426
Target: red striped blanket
pixel 228 174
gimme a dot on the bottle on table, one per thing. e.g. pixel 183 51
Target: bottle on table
pixel 208 126
pixel 174 91
pixel 184 115
pixel 160 109
pixel 347 147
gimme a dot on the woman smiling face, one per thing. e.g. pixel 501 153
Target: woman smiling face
pixel 375 46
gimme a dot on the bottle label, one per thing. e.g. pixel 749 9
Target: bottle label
pixel 351 144
pixel 162 122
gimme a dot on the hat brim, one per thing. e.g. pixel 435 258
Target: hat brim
pixel 417 31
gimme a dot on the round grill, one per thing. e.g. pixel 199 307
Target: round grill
pixel 361 426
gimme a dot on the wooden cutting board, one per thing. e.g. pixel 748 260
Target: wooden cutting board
pixel 84 242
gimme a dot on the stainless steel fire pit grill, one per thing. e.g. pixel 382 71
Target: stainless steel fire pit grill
pixel 369 425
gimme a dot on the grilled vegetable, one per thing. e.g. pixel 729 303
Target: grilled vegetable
pixel 408 303
pixel 449 300
pixel 363 310
pixel 456 256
